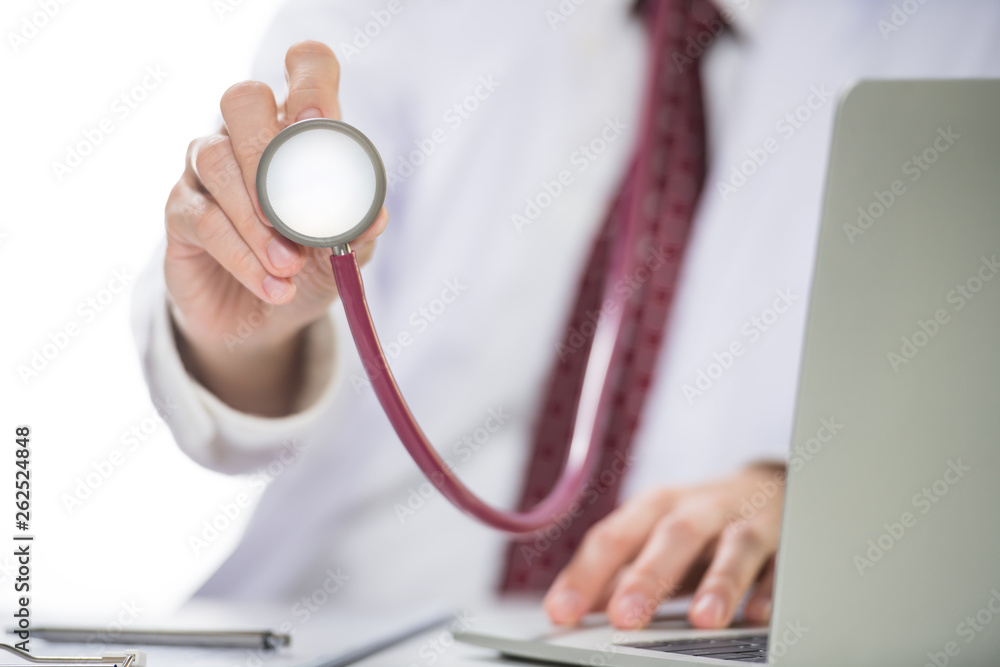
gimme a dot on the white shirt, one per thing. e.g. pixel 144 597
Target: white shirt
pixel 475 107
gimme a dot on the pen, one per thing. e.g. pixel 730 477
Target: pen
pixel 264 639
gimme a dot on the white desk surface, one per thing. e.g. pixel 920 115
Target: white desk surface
pixel 323 634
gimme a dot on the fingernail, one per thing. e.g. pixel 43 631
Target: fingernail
pixel 710 609
pixel 280 254
pixel 275 288
pixel 632 609
pixel 311 112
pixel 566 606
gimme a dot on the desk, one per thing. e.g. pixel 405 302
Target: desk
pixel 323 633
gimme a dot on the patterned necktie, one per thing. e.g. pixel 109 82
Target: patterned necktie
pixel 660 193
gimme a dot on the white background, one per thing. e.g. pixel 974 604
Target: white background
pixel 60 242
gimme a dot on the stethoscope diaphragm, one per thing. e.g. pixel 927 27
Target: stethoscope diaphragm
pixel 321 182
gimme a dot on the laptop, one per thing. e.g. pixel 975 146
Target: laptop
pixel 890 547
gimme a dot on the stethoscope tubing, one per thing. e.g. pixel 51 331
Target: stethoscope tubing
pixel 592 407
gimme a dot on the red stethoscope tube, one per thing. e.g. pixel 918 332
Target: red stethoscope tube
pixel 592 406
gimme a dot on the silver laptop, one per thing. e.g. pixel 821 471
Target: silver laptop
pixel 890 548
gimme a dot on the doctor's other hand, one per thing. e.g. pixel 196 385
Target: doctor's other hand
pixel 717 539
pixel 225 262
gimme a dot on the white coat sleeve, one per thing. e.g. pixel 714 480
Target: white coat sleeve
pixel 212 433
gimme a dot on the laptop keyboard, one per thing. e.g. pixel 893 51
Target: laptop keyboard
pixel 745 648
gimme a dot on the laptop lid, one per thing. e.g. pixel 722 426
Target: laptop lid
pixel 890 550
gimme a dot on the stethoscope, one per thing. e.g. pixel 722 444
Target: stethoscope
pixel 322 183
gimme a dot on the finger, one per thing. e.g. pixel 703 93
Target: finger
pixel 758 609
pixel 376 229
pixel 313 76
pixel 675 543
pixel 608 545
pixel 251 116
pixel 215 163
pixel 743 550
pixel 197 220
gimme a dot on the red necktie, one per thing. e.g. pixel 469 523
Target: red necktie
pixel 660 192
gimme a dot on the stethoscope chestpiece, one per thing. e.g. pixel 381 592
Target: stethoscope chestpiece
pixel 321 183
